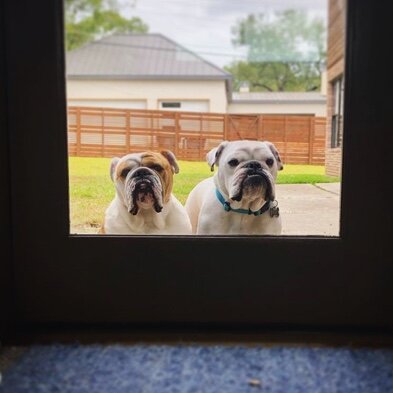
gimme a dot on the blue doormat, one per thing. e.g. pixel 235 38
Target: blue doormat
pixel 199 369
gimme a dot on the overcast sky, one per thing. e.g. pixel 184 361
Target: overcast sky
pixel 204 26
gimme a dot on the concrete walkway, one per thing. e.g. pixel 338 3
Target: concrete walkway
pixel 309 209
pixel 305 209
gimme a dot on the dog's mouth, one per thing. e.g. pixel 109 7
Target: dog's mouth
pixel 144 193
pixel 253 183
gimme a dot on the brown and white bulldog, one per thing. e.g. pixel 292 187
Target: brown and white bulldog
pixel 240 198
pixel 144 203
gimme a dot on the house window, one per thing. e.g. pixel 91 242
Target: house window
pixel 171 105
pixel 337 115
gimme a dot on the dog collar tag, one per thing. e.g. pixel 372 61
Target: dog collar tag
pixel 274 210
pixel 227 207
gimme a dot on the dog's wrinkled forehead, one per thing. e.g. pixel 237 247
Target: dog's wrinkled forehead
pixel 246 150
pixel 163 162
pixel 129 161
pixel 151 158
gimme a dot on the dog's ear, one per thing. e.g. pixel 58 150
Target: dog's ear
pixel 280 166
pixel 114 162
pixel 171 159
pixel 214 155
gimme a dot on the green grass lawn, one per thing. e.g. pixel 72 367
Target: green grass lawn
pixel 91 189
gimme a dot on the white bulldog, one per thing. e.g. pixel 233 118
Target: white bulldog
pixel 144 203
pixel 240 198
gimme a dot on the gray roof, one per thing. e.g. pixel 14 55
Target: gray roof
pixel 279 98
pixel 139 56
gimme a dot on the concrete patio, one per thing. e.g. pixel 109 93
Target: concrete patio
pixel 309 209
pixel 305 210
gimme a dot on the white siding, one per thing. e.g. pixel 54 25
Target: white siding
pixel 317 109
pixel 186 105
pixel 153 92
pixel 129 104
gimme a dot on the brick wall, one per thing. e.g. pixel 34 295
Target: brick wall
pixel 333 162
pixel 335 63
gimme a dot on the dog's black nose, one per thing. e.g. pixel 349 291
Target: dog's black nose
pixel 255 165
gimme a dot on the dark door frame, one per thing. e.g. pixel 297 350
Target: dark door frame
pixel 54 279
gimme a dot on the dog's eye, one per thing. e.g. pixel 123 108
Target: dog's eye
pixel 157 168
pixel 233 162
pixel 124 172
pixel 270 162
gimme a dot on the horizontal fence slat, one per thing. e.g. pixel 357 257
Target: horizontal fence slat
pixel 105 132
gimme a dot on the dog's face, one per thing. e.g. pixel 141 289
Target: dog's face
pixel 247 170
pixel 144 181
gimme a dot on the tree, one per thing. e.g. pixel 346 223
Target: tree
pixel 87 20
pixel 286 52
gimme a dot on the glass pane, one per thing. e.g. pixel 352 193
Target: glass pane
pixel 337 96
pixel 205 117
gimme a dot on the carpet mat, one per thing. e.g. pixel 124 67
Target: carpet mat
pixel 199 369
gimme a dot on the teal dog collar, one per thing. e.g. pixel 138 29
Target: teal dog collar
pixel 274 211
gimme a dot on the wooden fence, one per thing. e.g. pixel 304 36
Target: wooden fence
pixel 107 132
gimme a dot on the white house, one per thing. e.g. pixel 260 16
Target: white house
pixel 150 71
pixel 300 103
pixel 144 71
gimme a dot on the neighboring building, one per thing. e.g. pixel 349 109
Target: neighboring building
pixel 150 71
pixel 300 103
pixel 144 71
pixel 335 87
